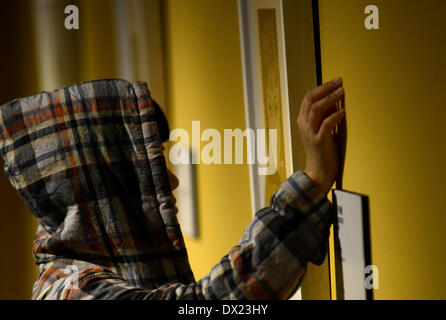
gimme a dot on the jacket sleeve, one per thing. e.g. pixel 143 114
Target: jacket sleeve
pixel 268 263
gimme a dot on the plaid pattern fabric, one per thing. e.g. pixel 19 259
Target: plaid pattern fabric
pixel 88 162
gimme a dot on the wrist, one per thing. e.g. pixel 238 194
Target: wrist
pixel 322 184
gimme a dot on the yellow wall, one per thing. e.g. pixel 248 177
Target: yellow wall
pixel 396 114
pixel 96 46
pixel 205 83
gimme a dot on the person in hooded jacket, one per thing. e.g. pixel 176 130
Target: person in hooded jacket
pixel 88 162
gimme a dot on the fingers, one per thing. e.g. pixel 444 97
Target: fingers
pixel 320 109
pixel 330 123
pixel 317 94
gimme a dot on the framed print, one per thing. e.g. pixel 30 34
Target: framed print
pixel 266 96
pixel 266 102
pixel 278 43
pixel 352 246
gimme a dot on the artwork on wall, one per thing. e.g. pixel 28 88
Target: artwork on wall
pixel 271 85
pixel 352 247
pixel 265 89
pixel 266 102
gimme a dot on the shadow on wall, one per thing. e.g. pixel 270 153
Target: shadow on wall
pixel 17 225
pixel 17 230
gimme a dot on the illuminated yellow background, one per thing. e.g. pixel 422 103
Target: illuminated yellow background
pixel 394 79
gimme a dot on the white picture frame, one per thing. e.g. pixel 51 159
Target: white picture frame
pixel 253 87
pixel 254 91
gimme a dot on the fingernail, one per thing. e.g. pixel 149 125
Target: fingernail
pixel 339 91
pixel 337 81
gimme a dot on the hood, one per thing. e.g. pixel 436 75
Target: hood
pixel 87 160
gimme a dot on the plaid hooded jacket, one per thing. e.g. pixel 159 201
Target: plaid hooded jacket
pixel 88 162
